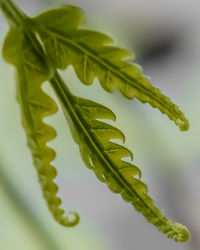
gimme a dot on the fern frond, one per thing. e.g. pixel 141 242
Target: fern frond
pixel 35 105
pixel 104 157
pixel 91 55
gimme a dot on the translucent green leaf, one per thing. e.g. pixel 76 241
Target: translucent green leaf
pixel 56 43
pixel 35 105
pixel 17 49
pixel 105 157
pixel 92 56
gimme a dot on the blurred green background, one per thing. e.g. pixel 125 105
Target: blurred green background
pixel 165 36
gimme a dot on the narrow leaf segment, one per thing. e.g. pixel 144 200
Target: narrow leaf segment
pixel 91 55
pixel 104 157
pixel 35 105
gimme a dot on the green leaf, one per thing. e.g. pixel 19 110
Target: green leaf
pixel 32 71
pixel 17 49
pixel 52 45
pixel 105 157
pixel 92 55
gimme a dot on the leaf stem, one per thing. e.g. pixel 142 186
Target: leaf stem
pixel 13 14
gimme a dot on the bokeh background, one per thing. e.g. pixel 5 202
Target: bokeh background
pixel 165 36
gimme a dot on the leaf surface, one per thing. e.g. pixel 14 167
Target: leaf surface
pixel 93 56
pixel 32 71
pixel 105 157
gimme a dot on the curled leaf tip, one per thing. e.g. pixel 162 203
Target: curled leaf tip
pixel 183 124
pixel 182 233
pixel 70 219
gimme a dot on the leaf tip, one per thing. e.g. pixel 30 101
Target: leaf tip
pixel 183 124
pixel 70 219
pixel 182 233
